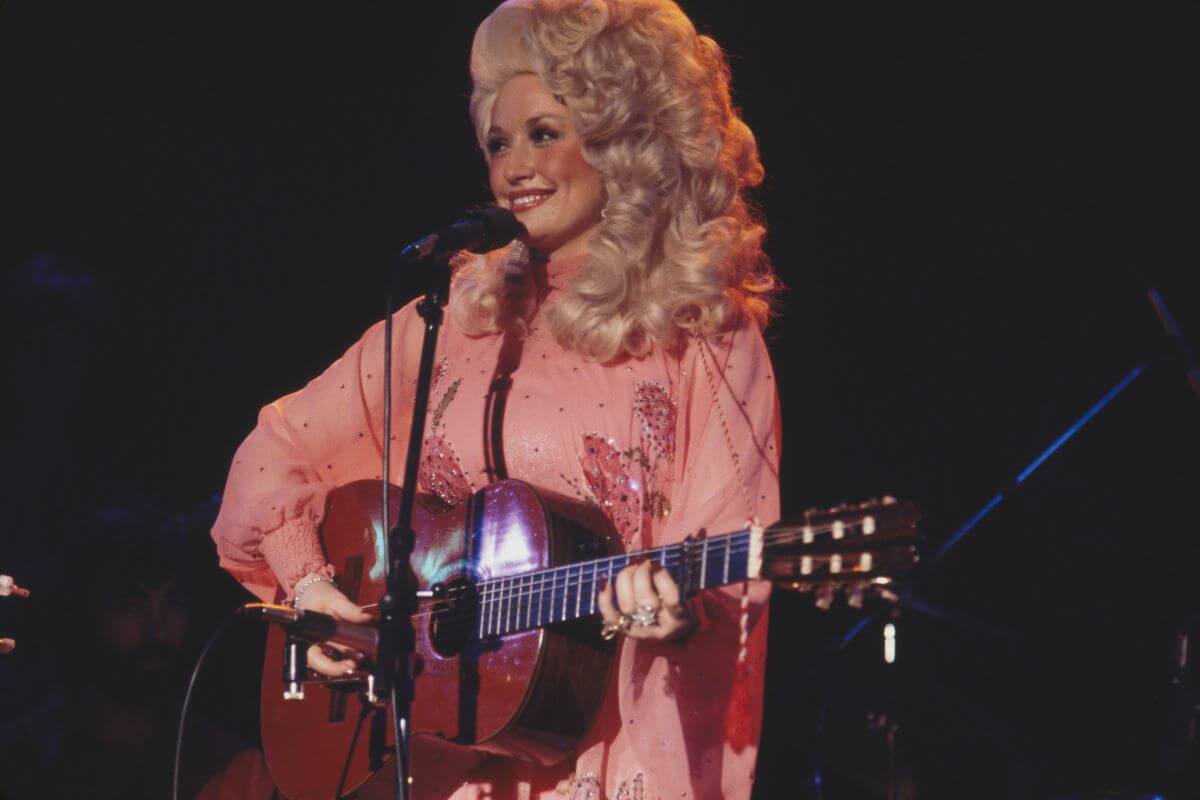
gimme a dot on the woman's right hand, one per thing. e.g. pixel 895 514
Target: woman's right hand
pixel 325 598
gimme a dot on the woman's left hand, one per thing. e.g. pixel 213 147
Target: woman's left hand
pixel 647 604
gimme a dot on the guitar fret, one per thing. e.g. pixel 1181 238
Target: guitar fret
pixel 563 614
pixel 529 599
pixel 483 606
pixel 491 608
pixel 514 608
pixel 595 589
pixel 541 593
pixel 503 606
pixel 578 590
pixel 704 564
pixel 725 570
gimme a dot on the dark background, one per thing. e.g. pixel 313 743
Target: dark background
pixel 967 202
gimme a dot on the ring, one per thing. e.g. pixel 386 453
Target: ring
pixel 609 630
pixel 646 616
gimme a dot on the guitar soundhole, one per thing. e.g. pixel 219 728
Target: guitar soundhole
pixel 452 618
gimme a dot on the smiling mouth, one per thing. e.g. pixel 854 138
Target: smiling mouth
pixel 528 201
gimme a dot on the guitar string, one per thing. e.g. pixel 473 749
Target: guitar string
pixel 523 589
pixel 550 576
pixel 506 588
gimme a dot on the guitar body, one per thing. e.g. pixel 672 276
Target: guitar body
pixel 530 694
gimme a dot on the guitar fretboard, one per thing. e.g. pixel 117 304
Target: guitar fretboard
pixel 561 594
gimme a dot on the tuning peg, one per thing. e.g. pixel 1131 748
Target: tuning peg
pixel 823 597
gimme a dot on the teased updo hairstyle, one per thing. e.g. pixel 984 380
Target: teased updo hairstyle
pixel 679 249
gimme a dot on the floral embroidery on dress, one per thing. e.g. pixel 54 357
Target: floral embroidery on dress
pixel 652 403
pixel 611 474
pixel 607 475
pixel 440 472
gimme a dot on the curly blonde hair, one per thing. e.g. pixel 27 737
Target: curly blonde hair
pixel 679 249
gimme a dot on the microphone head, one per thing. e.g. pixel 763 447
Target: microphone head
pixel 500 227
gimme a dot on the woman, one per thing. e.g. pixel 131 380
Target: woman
pixel 624 333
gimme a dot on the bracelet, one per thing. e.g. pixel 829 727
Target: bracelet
pixel 306 584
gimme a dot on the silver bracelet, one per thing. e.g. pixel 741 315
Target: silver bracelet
pixel 307 584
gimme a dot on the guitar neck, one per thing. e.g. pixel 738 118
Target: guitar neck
pixel 562 594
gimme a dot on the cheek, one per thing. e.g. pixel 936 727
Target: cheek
pixel 566 164
pixel 495 178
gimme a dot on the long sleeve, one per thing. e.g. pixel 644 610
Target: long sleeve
pixel 691 713
pixel 305 444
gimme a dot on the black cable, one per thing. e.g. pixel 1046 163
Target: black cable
pixel 187 698
pixel 362 717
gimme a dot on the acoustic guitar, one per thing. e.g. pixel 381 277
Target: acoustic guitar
pixel 506 659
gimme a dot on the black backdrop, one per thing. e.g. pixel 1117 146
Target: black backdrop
pixel 967 203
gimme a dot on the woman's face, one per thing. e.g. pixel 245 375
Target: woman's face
pixel 536 168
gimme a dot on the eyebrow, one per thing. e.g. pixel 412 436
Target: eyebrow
pixel 531 121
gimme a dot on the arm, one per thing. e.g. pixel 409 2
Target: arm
pixel 304 445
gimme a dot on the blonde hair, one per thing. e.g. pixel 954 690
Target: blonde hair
pixel 679 249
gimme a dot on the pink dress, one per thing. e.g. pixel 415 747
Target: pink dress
pixel 665 445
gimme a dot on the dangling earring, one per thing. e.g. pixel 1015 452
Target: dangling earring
pixel 604 212
pixel 518 252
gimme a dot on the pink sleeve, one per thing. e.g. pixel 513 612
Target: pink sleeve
pixel 304 445
pixel 693 715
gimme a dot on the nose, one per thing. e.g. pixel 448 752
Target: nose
pixel 519 164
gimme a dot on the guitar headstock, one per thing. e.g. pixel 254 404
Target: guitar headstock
pixel 851 549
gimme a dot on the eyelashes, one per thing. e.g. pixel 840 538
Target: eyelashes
pixel 540 135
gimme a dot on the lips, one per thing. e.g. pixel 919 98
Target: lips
pixel 528 200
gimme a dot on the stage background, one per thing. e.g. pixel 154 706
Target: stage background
pixel 967 203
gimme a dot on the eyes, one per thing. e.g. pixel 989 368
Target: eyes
pixel 540 135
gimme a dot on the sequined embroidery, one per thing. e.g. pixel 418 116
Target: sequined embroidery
pixel 441 473
pixel 653 406
pixel 611 474
pixel 607 476
pixel 652 403
pixel 633 790
pixel 586 787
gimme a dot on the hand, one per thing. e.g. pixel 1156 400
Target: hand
pixel 325 598
pixel 648 604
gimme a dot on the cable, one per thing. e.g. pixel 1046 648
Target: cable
pixel 187 698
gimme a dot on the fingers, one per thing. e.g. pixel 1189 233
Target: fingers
pixel 343 608
pixel 667 589
pixel 320 662
pixel 644 593
pixel 626 600
pixel 636 590
pixel 325 598
pixel 608 606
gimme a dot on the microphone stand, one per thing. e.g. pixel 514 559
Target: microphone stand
pixel 391 682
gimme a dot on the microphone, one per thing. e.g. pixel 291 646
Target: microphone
pixel 315 627
pixel 479 230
